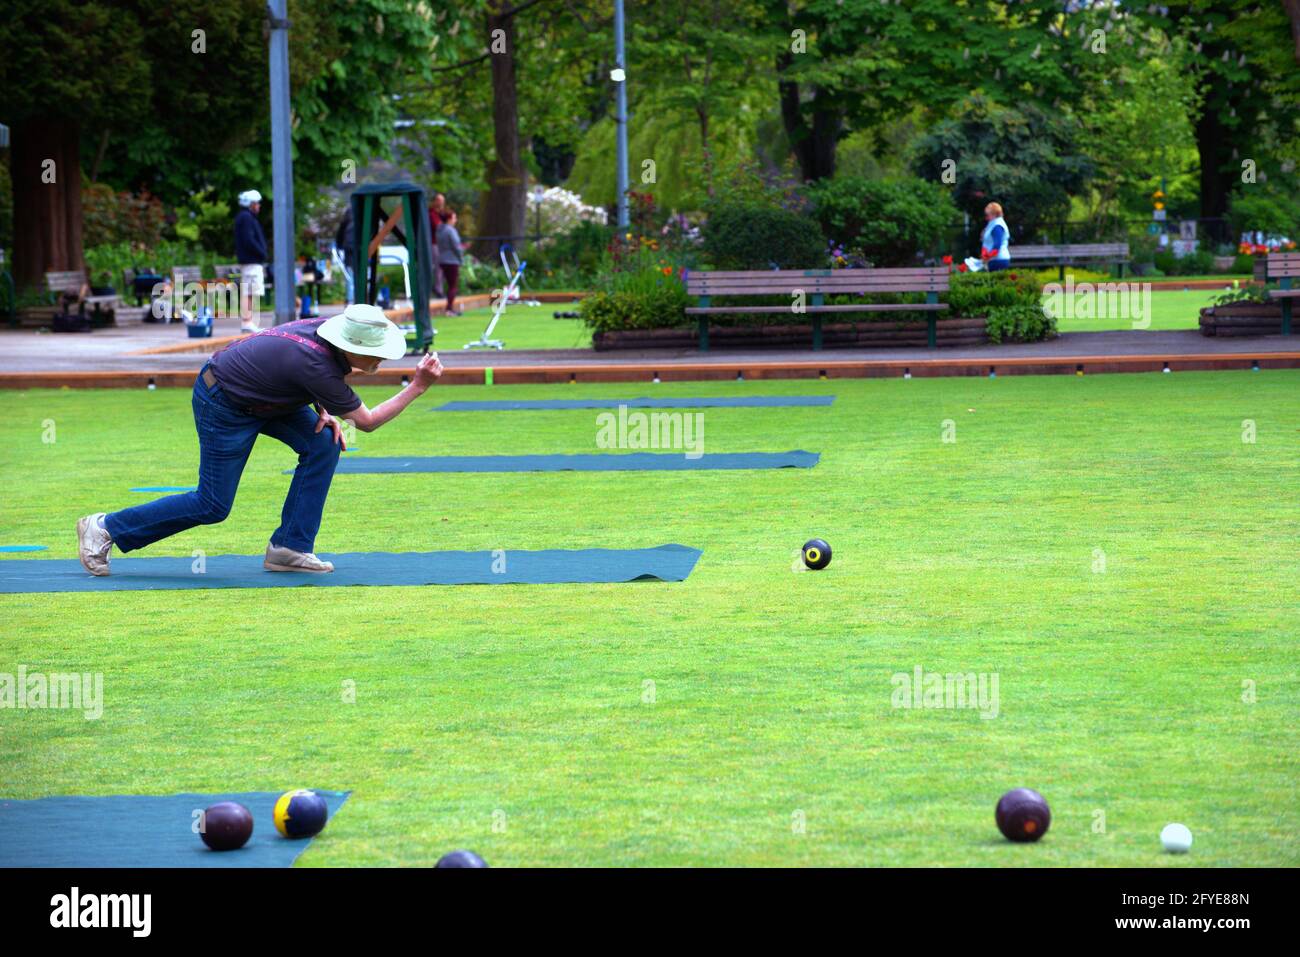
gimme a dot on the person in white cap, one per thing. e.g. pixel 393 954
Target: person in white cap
pixel 286 382
pixel 250 253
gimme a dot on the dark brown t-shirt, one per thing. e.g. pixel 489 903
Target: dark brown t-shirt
pixel 283 368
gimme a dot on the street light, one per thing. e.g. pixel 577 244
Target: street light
pixel 620 77
pixel 539 193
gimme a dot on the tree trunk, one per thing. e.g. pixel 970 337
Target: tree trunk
pixel 814 148
pixel 504 206
pixel 1213 144
pixel 47 215
pixel 1292 8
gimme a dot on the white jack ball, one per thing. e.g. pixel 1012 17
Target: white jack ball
pixel 1176 838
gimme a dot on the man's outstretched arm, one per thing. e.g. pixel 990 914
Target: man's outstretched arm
pixel 426 373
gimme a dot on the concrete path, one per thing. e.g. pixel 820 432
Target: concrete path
pixel 120 349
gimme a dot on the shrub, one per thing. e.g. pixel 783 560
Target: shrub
pixel 971 295
pixel 758 237
pixel 1021 323
pixel 105 262
pixel 110 218
pixel 645 298
pixel 890 221
pixel 1193 264
pixel 580 249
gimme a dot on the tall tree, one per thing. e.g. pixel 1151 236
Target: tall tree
pixel 1242 63
pixel 63 64
pixel 862 64
pixel 182 107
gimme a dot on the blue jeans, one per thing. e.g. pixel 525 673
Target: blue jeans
pixel 997 265
pixel 226 437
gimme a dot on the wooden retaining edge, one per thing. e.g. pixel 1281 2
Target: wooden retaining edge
pixel 396 315
pixel 706 371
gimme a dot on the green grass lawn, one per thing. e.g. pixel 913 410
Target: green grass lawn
pixel 1172 309
pixel 521 327
pixel 515 720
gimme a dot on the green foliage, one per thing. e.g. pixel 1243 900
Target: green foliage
pixel 108 260
pixel 889 222
pixel 578 253
pixel 1193 264
pixel 1272 207
pixel 1021 322
pixel 644 298
pixel 109 217
pixel 1027 159
pixel 1258 294
pixel 759 237
pixel 975 294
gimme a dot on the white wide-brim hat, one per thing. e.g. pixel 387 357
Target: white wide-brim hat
pixel 364 330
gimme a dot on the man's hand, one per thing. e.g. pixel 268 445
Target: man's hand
pixel 327 419
pixel 427 372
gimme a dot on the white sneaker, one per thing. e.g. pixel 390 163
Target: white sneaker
pixel 287 560
pixel 248 329
pixel 93 544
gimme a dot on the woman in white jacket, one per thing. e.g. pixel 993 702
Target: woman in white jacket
pixel 995 243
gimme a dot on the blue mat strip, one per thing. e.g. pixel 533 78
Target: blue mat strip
pixel 165 488
pixel 501 567
pixel 136 830
pixel 23 548
pixel 638 403
pixel 597 462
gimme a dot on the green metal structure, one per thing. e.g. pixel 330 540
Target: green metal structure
pixel 373 204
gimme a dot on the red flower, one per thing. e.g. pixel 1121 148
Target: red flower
pixel 947 260
pixel 961 267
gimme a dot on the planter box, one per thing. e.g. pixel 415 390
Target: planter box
pixel 1242 319
pixel 883 335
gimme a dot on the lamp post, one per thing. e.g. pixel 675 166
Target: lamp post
pixel 281 161
pixel 539 191
pixel 619 76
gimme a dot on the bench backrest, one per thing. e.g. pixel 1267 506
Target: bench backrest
pixel 1283 265
pixel 1069 252
pixel 65 282
pixel 226 270
pixel 830 282
pixel 182 274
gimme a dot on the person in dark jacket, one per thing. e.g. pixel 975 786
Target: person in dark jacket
pixel 437 216
pixel 449 259
pixel 250 253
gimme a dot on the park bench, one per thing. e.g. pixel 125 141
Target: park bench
pixel 183 274
pixel 815 285
pixel 1077 254
pixel 72 288
pixel 227 271
pixel 1284 267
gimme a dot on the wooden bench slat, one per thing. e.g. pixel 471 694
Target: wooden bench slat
pixel 824 281
pixel 860 307
pixel 825 273
pixel 775 290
